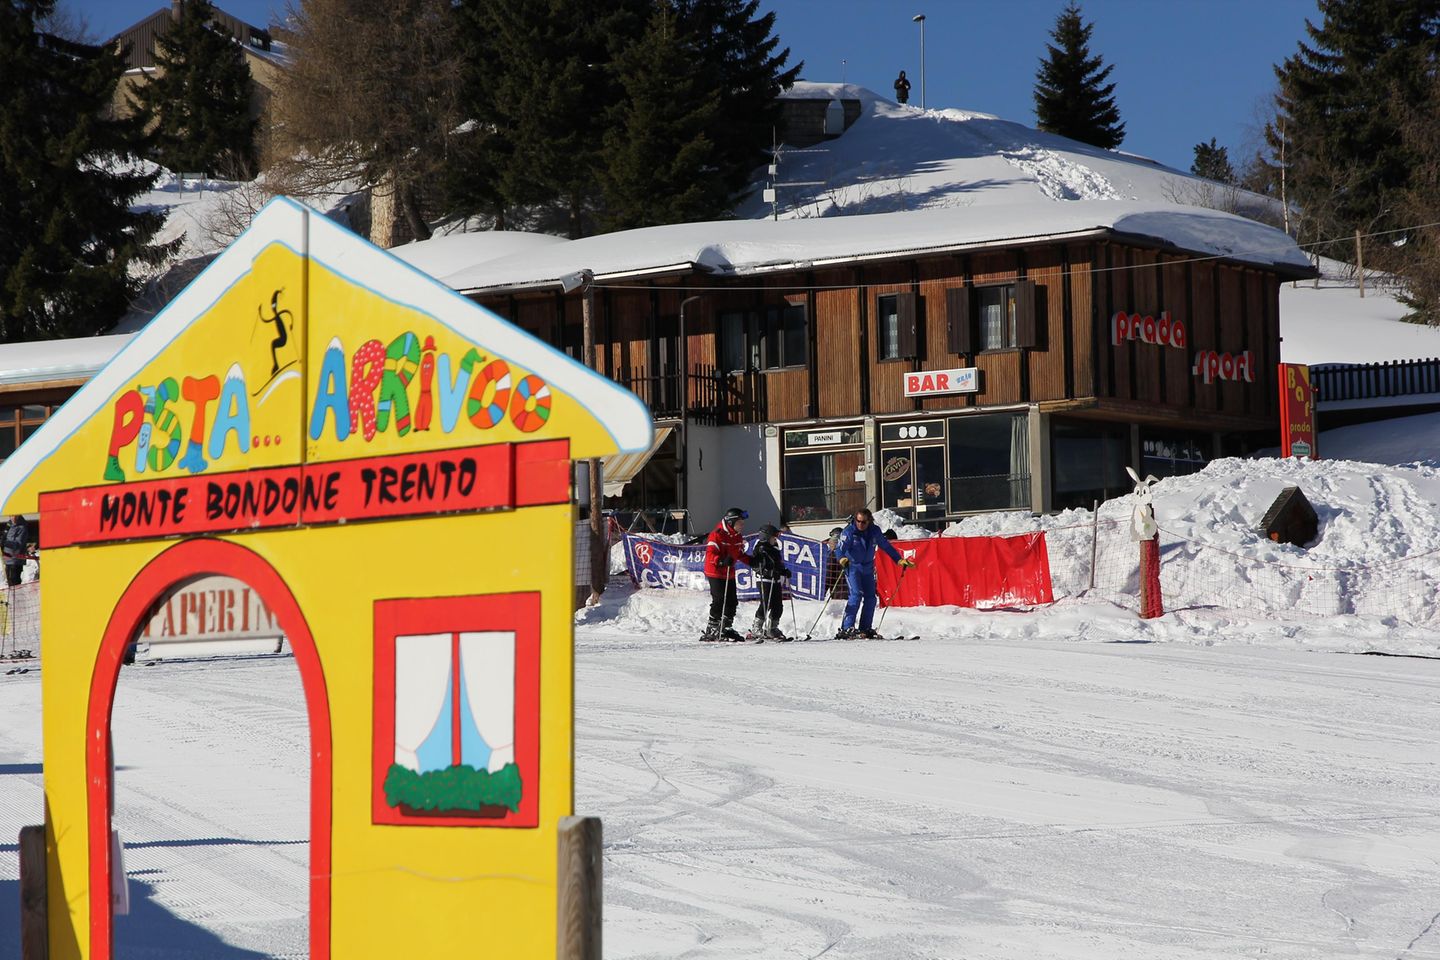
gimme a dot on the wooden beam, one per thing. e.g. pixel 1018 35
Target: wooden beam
pixel 34 909
pixel 580 892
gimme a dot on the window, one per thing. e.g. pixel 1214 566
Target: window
pixel 997 317
pixel 887 321
pixel 18 422
pixel 457 711
pixel 820 470
pixel 733 334
pixel 1172 455
pixel 769 339
pixel 1088 461
pixel 789 333
pixel 989 463
pixel 897 326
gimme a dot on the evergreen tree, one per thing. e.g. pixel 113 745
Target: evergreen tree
pixel 1071 95
pixel 548 87
pixel 737 59
pixel 196 105
pixel 659 163
pixel 1338 108
pixel 1213 163
pixel 68 174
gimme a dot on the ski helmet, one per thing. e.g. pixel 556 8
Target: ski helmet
pixel 836 532
pixel 735 513
pixel 769 530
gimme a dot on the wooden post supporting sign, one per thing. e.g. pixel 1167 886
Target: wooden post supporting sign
pixel 34 912
pixel 580 893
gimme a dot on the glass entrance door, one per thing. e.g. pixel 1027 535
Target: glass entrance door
pixel 929 489
pixel 913 480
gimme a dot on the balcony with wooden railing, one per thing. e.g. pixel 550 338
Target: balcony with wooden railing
pixel 715 398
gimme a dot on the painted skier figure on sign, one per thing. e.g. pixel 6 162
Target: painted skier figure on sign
pixel 281 319
pixel 856 553
pixel 723 549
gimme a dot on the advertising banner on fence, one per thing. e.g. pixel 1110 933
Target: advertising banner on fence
pixel 655 563
pixel 1297 412
pixel 981 572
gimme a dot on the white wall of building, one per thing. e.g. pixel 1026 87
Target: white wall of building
pixel 732 467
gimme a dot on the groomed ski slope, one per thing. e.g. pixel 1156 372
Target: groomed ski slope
pixel 948 798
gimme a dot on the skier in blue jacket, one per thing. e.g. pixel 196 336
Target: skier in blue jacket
pixel 856 553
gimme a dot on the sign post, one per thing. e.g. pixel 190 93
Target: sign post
pixel 1297 412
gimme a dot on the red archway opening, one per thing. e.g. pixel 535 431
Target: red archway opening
pixel 184 561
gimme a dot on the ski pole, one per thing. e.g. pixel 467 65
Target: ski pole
pixel 794 624
pixel 725 613
pixel 833 588
pixel 898 582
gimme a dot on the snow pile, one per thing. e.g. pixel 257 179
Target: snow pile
pixel 1371 577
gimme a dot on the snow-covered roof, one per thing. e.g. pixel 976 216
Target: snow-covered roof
pixel 441 256
pixel 900 157
pixel 742 247
pixel 44 361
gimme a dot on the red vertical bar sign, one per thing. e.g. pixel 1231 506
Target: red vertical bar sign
pixel 455 699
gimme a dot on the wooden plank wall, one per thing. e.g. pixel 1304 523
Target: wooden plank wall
pixel 1204 332
pixel 887 385
pixel 837 343
pixel 999 369
pixel 1148 358
pixel 1225 307
pixel 1175 281
pixel 936 276
pixel 1083 320
pixel 787 390
pixel 1232 333
pixel 1045 266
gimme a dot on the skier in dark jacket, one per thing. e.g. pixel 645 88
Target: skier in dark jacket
pixel 770 576
pixel 16 547
pixel 724 547
pixel 902 88
pixel 856 551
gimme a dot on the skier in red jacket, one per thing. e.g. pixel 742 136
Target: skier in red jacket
pixel 724 547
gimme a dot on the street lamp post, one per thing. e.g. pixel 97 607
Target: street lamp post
pixel 920 19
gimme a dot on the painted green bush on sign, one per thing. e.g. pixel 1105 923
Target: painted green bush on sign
pixel 458 789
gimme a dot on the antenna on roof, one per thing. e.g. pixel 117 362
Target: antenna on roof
pixel 770 194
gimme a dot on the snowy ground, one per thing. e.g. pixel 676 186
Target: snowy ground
pixel 1022 787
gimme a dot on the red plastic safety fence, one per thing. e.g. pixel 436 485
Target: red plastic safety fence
pixel 982 572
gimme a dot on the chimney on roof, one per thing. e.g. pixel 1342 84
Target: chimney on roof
pixel 177 8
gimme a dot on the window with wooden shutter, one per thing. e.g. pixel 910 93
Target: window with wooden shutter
pixel 959 323
pixel 1027 322
pixel 909 333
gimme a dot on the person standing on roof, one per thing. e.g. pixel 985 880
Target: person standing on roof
pixel 723 549
pixel 770 576
pixel 902 88
pixel 856 552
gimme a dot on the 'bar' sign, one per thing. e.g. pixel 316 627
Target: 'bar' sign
pixel 927 383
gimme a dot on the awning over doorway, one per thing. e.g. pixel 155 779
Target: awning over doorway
pixel 621 468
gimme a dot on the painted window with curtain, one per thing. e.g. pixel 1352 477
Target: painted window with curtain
pixel 457 714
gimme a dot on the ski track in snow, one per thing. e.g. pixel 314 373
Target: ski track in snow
pixel 1059 178
pixel 975 797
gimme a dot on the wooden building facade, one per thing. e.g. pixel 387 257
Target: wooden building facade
pixel 1020 376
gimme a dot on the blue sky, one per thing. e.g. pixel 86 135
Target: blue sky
pixel 1185 70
